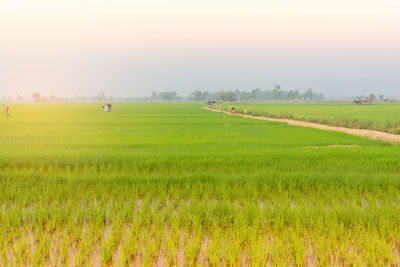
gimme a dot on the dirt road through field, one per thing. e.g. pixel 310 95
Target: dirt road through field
pixel 393 138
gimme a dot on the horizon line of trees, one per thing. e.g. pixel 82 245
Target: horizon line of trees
pixel 222 95
pixel 37 97
pixel 256 95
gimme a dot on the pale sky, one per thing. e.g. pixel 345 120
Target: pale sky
pixel 131 48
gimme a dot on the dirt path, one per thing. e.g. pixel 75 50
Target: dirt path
pixel 394 138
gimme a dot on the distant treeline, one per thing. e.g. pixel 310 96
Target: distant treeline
pixel 198 95
pixel 222 95
pixel 237 95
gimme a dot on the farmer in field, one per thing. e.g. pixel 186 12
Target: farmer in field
pixel 233 111
pixel 107 108
pixel 7 110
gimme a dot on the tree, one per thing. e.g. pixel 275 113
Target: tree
pixel 256 94
pixel 277 92
pixel 296 94
pixel 381 97
pixel 238 94
pixel 318 96
pixel 206 95
pixel 168 95
pixel 293 94
pixel 101 97
pixel 226 96
pixel 245 96
pixel 197 95
pixel 230 96
pixel 153 95
pixel 308 95
pixel 372 96
pixel 290 95
pixel 36 97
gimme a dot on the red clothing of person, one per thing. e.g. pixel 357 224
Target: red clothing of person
pixel 7 109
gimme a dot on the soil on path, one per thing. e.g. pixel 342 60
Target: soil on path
pixel 388 137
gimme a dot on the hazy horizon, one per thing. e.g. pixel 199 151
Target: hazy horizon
pixel 130 48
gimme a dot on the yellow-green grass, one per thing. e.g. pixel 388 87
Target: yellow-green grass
pixel 173 184
pixel 377 116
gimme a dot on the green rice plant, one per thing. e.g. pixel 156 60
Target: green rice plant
pixel 178 184
pixel 107 249
pixel 379 116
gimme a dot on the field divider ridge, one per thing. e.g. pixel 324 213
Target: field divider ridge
pixel 372 134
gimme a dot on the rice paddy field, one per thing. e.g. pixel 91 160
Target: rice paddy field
pixel 158 184
pixel 377 116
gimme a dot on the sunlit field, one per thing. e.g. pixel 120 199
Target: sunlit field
pixel 377 116
pixel 171 184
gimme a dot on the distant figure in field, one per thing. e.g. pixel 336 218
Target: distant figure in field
pixel 7 110
pixel 107 108
pixel 233 111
